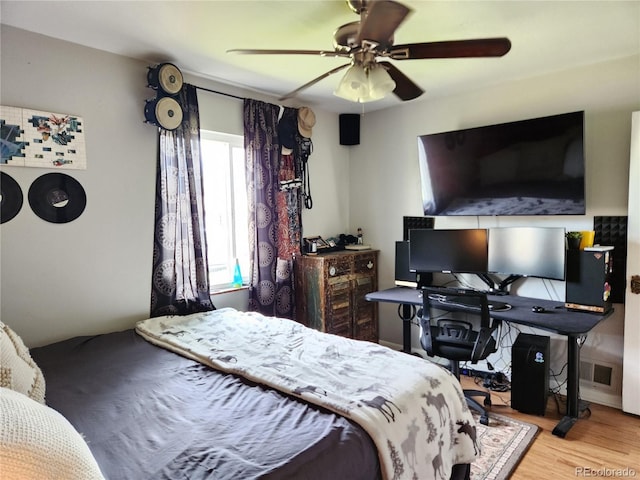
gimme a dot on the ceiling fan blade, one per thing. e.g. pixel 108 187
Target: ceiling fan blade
pixel 481 47
pixel 313 82
pixel 405 88
pixel 322 53
pixel 381 21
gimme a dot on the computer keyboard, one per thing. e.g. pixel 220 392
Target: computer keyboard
pixel 471 304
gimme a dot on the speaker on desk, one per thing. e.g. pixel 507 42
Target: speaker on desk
pixel 404 276
pixel 530 373
pixel 588 283
pixel 349 129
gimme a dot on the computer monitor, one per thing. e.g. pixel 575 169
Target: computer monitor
pixel 448 251
pixel 404 276
pixel 528 252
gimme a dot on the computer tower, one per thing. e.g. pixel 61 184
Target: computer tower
pixel 530 357
pixel 588 283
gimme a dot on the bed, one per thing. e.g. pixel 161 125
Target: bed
pixel 235 395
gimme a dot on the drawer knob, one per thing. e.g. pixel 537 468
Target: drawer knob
pixel 370 265
pixel 332 271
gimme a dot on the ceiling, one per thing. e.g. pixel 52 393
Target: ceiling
pixel 546 36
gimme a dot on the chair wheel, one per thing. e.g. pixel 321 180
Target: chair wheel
pixel 487 402
pixel 484 420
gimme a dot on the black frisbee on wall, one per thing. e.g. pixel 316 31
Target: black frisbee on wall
pixel 10 197
pixel 57 198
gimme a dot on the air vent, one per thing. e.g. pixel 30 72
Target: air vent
pixel 600 375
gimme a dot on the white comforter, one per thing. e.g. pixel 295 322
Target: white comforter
pixel 414 410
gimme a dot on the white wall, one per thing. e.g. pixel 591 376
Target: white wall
pixel 93 275
pixel 385 182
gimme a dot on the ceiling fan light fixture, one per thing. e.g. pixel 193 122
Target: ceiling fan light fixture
pixel 365 84
pixel 354 85
pixel 380 83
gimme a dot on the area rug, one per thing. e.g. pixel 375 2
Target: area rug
pixel 502 444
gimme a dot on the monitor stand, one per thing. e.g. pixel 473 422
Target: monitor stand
pixel 500 288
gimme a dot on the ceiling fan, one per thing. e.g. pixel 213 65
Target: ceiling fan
pixel 366 41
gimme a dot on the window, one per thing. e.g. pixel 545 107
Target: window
pixel 225 206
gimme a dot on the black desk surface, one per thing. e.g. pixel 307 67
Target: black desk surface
pixel 557 318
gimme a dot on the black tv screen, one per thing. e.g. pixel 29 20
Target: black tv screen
pixel 528 167
pixel 528 251
pixel 450 251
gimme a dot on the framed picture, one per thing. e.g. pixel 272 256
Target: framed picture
pixel 32 138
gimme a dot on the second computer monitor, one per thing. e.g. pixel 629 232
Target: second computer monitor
pixel 456 251
pixel 528 251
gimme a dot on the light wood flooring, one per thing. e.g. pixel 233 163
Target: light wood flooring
pixel 604 445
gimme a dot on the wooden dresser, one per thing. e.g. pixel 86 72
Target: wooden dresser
pixel 330 291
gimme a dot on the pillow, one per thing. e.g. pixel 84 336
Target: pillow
pixel 18 371
pixel 38 443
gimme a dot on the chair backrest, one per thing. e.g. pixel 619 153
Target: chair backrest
pixel 448 333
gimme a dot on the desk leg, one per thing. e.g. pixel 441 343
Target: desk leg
pixel 406 314
pixel 573 379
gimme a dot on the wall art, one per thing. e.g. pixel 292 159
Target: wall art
pixel 31 138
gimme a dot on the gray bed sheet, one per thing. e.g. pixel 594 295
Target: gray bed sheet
pixel 148 413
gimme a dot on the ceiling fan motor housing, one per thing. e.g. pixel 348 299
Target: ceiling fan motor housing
pixel 358 6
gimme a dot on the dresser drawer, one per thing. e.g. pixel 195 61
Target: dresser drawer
pixel 365 263
pixel 338 266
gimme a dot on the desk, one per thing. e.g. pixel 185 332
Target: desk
pixel 557 319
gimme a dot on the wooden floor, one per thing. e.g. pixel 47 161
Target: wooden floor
pixel 604 445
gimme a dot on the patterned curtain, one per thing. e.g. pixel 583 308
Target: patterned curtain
pixel 180 282
pixel 274 214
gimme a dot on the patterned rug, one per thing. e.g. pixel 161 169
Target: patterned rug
pixel 502 444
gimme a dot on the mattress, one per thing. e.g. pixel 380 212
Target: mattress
pixel 148 413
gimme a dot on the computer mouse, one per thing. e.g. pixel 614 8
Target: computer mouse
pixel 538 309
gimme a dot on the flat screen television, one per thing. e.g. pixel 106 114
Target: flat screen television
pixel 448 251
pixel 528 167
pixel 528 252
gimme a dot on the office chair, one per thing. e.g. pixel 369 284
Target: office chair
pixel 447 336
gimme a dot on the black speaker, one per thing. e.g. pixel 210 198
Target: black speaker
pixel 613 231
pixel 530 373
pixel 588 283
pixel 349 129
pixel 404 277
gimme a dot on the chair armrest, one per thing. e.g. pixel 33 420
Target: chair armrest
pixel 480 347
pixel 426 340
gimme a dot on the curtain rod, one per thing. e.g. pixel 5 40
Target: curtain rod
pixel 219 93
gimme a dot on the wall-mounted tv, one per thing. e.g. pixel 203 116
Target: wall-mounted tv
pixel 528 167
